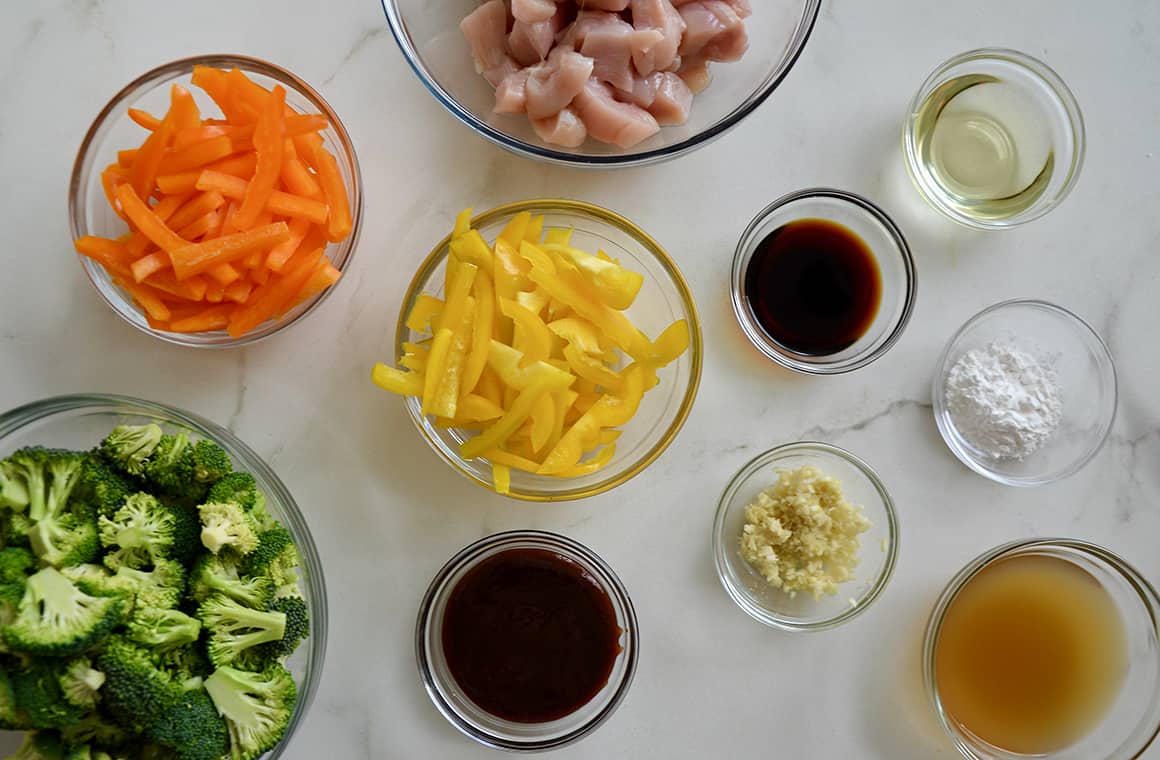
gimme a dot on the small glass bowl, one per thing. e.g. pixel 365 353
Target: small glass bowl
pixel 1086 377
pixel 488 729
pixel 1043 91
pixel 90 214
pixel 664 298
pixel 891 252
pixel 1133 720
pixel 774 607
pixel 428 34
pixel 81 421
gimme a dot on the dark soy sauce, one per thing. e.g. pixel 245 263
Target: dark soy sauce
pixel 813 286
pixel 530 636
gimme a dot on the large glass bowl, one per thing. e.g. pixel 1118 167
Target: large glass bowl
pixel 81 421
pixel 664 298
pixel 90 214
pixel 428 34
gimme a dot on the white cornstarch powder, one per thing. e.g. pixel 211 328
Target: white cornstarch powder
pixel 1003 401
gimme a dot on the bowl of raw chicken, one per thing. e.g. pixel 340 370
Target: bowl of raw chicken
pixel 601 83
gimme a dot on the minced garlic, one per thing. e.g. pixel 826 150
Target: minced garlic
pixel 801 534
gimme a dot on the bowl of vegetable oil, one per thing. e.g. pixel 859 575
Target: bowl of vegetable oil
pixel 994 139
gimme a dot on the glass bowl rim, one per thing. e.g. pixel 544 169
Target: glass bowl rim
pixel 151 79
pixel 598 213
pixel 742 599
pixel 1103 556
pixel 468 557
pixel 19 417
pixel 784 356
pixel 802 32
pixel 942 415
pixel 1059 89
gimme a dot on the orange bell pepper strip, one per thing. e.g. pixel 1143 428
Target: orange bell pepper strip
pixel 195 156
pixel 195 208
pixel 268 144
pixel 144 119
pixel 211 318
pixel 201 257
pixel 265 302
pixel 340 224
pixel 277 202
pixel 147 222
pixel 235 166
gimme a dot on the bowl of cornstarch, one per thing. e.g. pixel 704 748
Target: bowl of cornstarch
pixel 1025 393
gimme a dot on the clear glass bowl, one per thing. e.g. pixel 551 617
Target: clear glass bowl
pixel 664 298
pixel 486 728
pixel 1046 102
pixel 89 212
pixel 1086 377
pixel 879 545
pixel 891 252
pixel 1133 720
pixel 428 34
pixel 81 421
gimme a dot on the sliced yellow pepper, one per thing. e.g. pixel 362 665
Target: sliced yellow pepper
pixel 616 408
pixel 564 400
pixel 507 363
pixel 415 357
pixel 445 399
pixel 508 459
pixel 543 419
pixel 436 365
pixel 558 236
pixel 592 370
pixel 495 435
pixel 501 476
pixel 515 230
pixel 537 258
pixel 471 248
pixel 670 344
pixel 617 287
pixel 602 458
pixel 462 223
pixel 535 229
pixel 458 290
pixel 475 408
pixel 397 381
pixel 609 436
pixel 481 333
pixel 490 386
pixel 533 300
pixel 423 313
pixel 578 332
pixel 530 331
pixel 570 449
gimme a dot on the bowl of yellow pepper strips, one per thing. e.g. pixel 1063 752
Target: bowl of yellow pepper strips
pixel 547 350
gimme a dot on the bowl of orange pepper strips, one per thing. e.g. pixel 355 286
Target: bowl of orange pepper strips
pixel 547 350
pixel 215 201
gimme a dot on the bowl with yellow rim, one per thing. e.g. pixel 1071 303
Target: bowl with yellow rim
pixel 664 298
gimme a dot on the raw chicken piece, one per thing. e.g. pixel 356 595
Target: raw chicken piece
pixel 661 16
pixel 611 121
pixel 502 71
pixel 672 100
pixel 565 128
pixel 741 7
pixel 486 31
pixel 533 11
pixel 714 31
pixel 554 83
pixel 694 72
pixel 530 43
pixel 643 92
pixel 511 96
pixel 613 47
pixel 616 6
pixel 586 21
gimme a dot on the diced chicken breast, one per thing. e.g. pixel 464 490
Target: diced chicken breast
pixel 511 96
pixel 533 11
pixel 713 30
pixel 531 43
pixel 643 92
pixel 741 7
pixel 564 128
pixel 554 83
pixel 613 48
pixel 694 72
pixel 616 6
pixel 609 120
pixel 486 31
pixel 575 33
pixel 661 16
pixel 502 71
pixel 672 101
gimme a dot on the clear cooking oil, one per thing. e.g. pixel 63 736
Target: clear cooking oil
pixel 985 145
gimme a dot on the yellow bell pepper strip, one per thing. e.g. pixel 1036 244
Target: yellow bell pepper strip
pixel 475 408
pixel 602 458
pixel 457 290
pixel 511 274
pixel 490 386
pixel 515 230
pixel 618 287
pixel 522 448
pixel 462 223
pixel 585 400
pixel 616 408
pixel 495 435
pixel 450 376
pixel 534 300
pixel 423 313
pixel 543 419
pixel 578 332
pixel 570 449
pixel 481 333
pixel 592 370
pixel 501 476
pixel 609 436
pixel 614 324
pixel 397 381
pixel 514 461
pixel 537 258
pixel 558 236
pixel 436 365
pixel 471 248
pixel 506 362
pixel 564 400
pixel 458 423
pixel 534 335
pixel 415 357
pixel 535 229
pixel 670 344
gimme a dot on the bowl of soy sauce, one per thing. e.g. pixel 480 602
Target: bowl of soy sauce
pixel 823 281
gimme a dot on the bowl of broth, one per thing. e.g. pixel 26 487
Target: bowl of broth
pixel 1046 648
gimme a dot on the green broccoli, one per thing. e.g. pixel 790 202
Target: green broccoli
pixel 98 580
pixel 276 557
pixel 162 630
pixel 169 468
pixel 43 478
pixel 16 564
pixel 162 587
pixel 297 624
pixel 220 573
pixel 38 693
pixel 16 527
pixel 57 619
pixel 211 463
pixel 187 665
pixel 94 728
pixel 233 628
pixel 14 483
pixel 11 594
pixel 142 530
pixel 12 718
pixel 102 486
pixel 80 683
pixel 227 525
pixel 193 729
pixel 186 546
pixel 82 752
pixel 67 538
pixel 257 707
pixel 136 692
pixel 237 487
pixel 128 447
pixel 39 745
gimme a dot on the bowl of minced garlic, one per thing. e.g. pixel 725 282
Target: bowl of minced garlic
pixel 805 537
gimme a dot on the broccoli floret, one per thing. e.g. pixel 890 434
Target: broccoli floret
pixel 220 574
pixel 68 538
pixel 237 487
pixel 12 718
pixel 43 478
pixel 187 665
pixel 82 752
pixel 193 729
pixel 98 580
pixel 257 707
pixel 38 693
pixel 16 564
pixel 276 557
pixel 136 692
pixel 80 683
pixel 225 524
pixel 16 527
pixel 128 447
pixel 11 594
pixel 186 534
pixel 297 624
pixel 96 729
pixel 40 745
pixel 102 486
pixel 233 628
pixel 57 619
pixel 162 587
pixel 161 630
pixel 14 484
pixel 142 530
pixel 170 467
pixel 211 463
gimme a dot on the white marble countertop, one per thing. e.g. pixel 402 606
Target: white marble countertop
pixel 386 513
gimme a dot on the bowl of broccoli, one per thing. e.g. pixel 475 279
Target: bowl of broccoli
pixel 160 593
